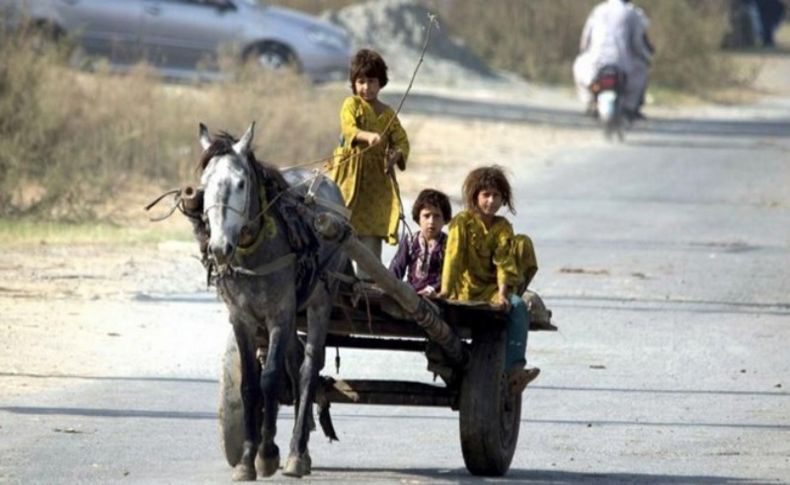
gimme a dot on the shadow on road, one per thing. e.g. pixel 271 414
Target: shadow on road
pixel 438 105
pixel 340 416
pixel 108 413
pixel 461 475
pixel 111 378
pixel 717 144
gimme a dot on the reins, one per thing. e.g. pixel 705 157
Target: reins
pixel 432 21
pixel 178 196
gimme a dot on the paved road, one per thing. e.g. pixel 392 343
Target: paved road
pixel 765 126
pixel 667 264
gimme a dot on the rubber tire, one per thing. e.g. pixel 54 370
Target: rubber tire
pixel 489 432
pixel 231 410
pixel 281 57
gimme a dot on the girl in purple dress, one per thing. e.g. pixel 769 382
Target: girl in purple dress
pixel 420 256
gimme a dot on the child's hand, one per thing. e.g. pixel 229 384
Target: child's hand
pixel 428 291
pixel 502 301
pixel 394 157
pixel 373 138
pixel 369 137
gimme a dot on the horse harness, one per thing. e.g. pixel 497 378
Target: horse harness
pixel 296 215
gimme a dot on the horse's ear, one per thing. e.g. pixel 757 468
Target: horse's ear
pixel 243 146
pixel 205 138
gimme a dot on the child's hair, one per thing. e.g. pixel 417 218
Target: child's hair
pixel 434 198
pixel 487 178
pixel 368 63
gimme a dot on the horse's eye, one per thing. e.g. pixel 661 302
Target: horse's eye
pixel 240 185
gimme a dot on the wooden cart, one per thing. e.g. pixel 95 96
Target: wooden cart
pixel 377 317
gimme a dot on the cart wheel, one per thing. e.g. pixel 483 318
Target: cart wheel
pixel 231 410
pixel 489 423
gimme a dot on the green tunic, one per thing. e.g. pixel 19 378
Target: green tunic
pixel 369 193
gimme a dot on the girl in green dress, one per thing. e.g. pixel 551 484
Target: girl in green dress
pixel 372 143
pixel 485 261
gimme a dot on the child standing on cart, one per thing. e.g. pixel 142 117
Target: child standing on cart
pixel 372 143
pixel 420 256
pixel 485 261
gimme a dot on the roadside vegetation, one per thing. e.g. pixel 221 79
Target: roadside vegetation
pixel 72 141
pixel 539 39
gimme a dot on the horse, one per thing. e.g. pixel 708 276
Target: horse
pixel 268 265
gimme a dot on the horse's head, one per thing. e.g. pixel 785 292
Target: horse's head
pixel 227 181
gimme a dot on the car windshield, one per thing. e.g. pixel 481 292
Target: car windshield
pixel 251 2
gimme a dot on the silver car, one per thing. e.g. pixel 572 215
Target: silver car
pixel 183 37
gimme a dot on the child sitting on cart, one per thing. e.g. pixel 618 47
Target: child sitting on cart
pixel 420 256
pixel 485 261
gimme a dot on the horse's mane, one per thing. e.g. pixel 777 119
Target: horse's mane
pixel 222 144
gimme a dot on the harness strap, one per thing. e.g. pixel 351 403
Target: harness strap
pixel 310 197
pixel 340 209
pixel 342 277
pixel 317 179
pixel 268 268
pixel 266 228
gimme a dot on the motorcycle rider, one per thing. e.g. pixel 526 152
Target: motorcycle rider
pixel 615 33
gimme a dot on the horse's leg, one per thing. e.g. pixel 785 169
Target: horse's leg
pixel 293 361
pixel 299 462
pixel 268 459
pixel 250 398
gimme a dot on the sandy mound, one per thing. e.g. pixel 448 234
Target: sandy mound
pixel 397 29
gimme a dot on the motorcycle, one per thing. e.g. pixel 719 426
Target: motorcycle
pixel 607 89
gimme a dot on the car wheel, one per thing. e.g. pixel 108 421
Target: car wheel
pixel 273 57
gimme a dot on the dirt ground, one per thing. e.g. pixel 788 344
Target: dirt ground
pixel 67 309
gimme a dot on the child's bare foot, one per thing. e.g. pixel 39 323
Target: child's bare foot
pixel 518 379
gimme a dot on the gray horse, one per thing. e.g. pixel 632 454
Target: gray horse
pixel 269 264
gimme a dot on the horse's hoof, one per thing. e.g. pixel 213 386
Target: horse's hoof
pixel 267 466
pixel 243 473
pixel 298 466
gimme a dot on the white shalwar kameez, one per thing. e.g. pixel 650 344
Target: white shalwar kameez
pixel 614 34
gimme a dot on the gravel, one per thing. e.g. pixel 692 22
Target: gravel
pixel 397 29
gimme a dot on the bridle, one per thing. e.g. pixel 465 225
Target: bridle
pixel 221 205
pixel 244 214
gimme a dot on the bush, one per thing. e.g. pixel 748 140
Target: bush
pixel 688 36
pixel 70 140
pixel 539 39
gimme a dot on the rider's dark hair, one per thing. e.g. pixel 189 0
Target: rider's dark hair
pixel 487 178
pixel 368 63
pixel 434 198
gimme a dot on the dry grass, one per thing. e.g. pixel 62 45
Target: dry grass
pixel 539 38
pixel 70 140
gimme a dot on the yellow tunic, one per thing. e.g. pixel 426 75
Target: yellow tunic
pixel 369 193
pixel 478 259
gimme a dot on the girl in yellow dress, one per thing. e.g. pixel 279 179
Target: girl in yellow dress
pixel 486 261
pixel 372 143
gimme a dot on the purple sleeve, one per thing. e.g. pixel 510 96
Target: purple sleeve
pixel 400 262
